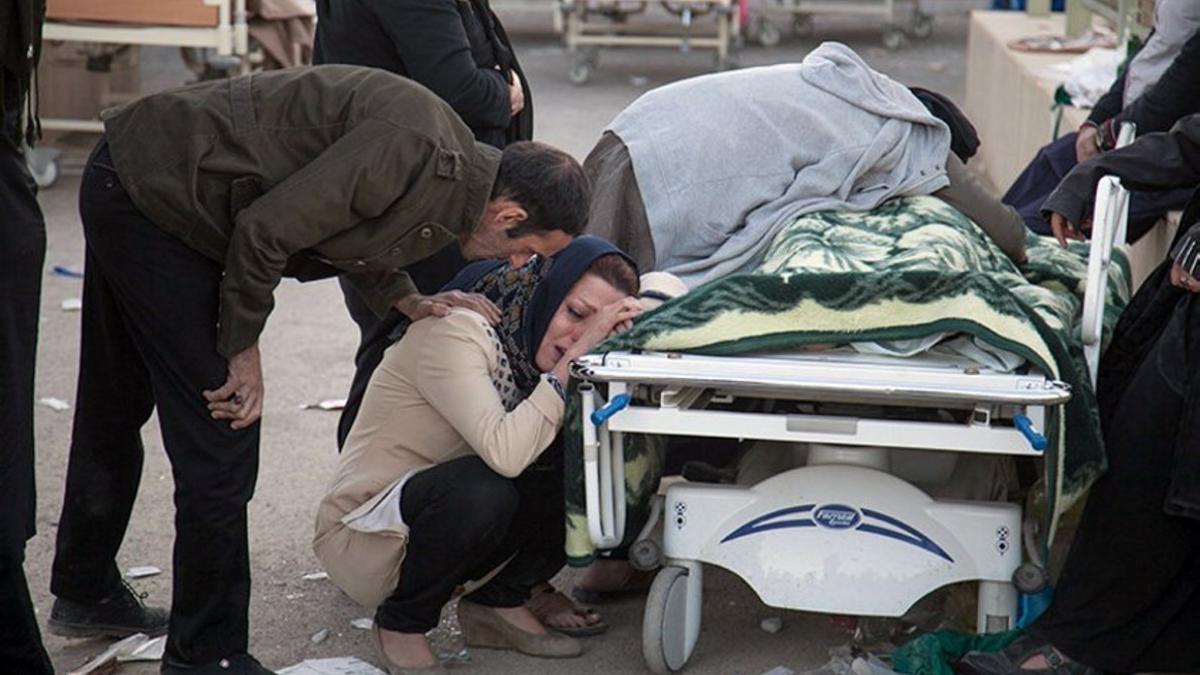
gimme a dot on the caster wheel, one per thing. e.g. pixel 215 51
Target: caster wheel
pixel 580 73
pixel 893 37
pixel 645 555
pixel 45 176
pixel 802 25
pixel 922 26
pixel 768 34
pixel 664 641
pixel 1029 579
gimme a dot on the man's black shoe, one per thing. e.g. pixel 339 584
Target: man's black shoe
pixel 242 664
pixel 120 614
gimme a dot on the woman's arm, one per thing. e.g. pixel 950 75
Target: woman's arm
pixel 454 376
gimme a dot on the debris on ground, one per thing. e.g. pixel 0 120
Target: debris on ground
pixel 65 271
pixel 56 404
pixel 315 576
pixel 136 647
pixel 319 636
pixel 142 571
pixel 364 623
pixel 346 665
pixel 772 624
pixel 639 81
pixel 327 404
pixel 72 304
pixel 780 670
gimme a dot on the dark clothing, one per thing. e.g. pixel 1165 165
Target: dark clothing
pixel 20 50
pixel 464 521
pixel 1158 161
pixel 304 173
pixel 1129 596
pixel 964 139
pixel 457 48
pixel 22 252
pixel 1054 161
pixel 149 324
pixel 1176 94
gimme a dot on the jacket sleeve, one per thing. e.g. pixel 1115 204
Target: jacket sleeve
pixel 354 179
pixel 1158 161
pixel 431 41
pixel 1176 94
pixel 454 376
pixel 381 290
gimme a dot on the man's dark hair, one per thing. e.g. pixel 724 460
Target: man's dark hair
pixel 548 183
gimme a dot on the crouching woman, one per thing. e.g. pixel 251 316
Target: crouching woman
pixel 432 490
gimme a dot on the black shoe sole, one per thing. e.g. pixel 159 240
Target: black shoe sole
pixel 80 630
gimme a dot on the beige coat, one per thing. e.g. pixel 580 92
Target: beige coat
pixel 432 399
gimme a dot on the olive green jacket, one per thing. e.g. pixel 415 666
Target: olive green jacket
pixel 305 173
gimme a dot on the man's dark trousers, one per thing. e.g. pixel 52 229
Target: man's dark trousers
pixel 149 340
pixel 22 251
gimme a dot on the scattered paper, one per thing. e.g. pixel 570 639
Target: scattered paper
pixel 65 271
pixel 72 305
pixel 142 571
pixel 315 576
pixel 936 66
pixel 346 665
pixel 293 596
pixel 55 403
pixel 639 81
pixel 363 623
pixel 780 670
pixel 136 647
pixel 319 636
pixel 328 404
pixel 772 624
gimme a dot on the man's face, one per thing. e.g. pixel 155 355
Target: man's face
pixel 491 240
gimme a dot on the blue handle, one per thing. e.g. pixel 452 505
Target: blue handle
pixel 1025 426
pixel 616 405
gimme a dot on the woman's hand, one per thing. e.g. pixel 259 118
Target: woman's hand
pixel 1085 143
pixel 516 94
pixel 1184 280
pixel 609 320
pixel 1063 229
pixel 240 398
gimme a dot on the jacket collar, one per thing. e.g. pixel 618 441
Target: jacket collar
pixel 481 177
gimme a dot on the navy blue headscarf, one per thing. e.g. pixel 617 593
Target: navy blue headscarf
pixel 529 296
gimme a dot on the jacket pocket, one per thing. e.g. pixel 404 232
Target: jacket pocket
pixel 242 193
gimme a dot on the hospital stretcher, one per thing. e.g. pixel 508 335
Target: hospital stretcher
pixel 802 12
pixel 848 533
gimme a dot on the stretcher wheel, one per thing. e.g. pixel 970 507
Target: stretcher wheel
pixel 769 34
pixel 645 555
pixel 580 73
pixel 802 25
pixel 893 37
pixel 922 26
pixel 664 625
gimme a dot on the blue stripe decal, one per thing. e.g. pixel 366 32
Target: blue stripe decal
pixel 906 534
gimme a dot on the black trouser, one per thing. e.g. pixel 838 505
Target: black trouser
pixel 149 340
pixel 429 275
pixel 1129 596
pixel 22 251
pixel 465 520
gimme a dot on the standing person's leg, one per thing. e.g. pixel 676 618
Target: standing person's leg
pixel 429 276
pixel 167 296
pixel 113 400
pixel 22 251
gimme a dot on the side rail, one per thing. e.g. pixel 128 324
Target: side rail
pixel 1110 218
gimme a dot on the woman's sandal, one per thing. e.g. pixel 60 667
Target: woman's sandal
pixel 631 582
pixel 547 603
pixel 1009 661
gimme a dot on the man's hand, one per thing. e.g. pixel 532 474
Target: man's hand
pixel 1184 280
pixel 1064 229
pixel 516 95
pixel 1085 143
pixel 240 398
pixel 417 306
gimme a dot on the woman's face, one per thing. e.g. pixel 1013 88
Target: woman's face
pixel 587 296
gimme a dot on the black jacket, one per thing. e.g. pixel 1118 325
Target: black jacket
pixel 456 48
pixel 1158 311
pixel 1176 94
pixel 20 49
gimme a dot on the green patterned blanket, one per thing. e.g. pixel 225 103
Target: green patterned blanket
pixel 912 268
